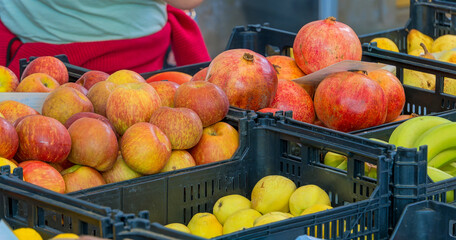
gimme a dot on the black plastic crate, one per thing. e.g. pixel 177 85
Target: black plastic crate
pixel 433 18
pixel 125 195
pixel 297 153
pixel 27 205
pixel 410 182
pixel 427 220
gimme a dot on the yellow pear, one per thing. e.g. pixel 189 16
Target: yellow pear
pixel 449 86
pixel 205 225
pixel 178 227
pixel 241 219
pixel 271 217
pixel 385 43
pixel 227 205
pixel 415 38
pixel 66 236
pixel 416 52
pixel 306 196
pixel 27 234
pixel 272 193
pixel 315 208
pixel 443 43
pixel 419 79
pixel 448 56
pixel 334 159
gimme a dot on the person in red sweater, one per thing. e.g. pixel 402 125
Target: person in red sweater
pixel 104 35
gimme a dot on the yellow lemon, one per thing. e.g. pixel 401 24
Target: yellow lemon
pixel 178 227
pixel 271 217
pixel 241 219
pixel 305 197
pixel 272 193
pixel 205 225
pixel 27 234
pixel 66 236
pixel 228 205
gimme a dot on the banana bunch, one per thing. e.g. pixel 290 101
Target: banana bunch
pixel 439 134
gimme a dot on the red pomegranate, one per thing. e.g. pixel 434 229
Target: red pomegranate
pixel 291 96
pixel 348 101
pixel 322 43
pixel 248 79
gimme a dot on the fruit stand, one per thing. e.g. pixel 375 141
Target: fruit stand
pixel 269 140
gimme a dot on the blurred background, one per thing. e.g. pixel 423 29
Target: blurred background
pixel 217 18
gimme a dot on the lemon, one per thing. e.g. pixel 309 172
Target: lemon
pixel 241 219
pixel 306 196
pixel 178 227
pixel 66 236
pixel 228 205
pixel 205 225
pixel 271 194
pixel 27 234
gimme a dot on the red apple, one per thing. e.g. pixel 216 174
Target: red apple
pixel 348 101
pixel 8 80
pixel 120 171
pixel 64 102
pixel 125 76
pixel 219 142
pixel 291 96
pixel 43 175
pixel 9 141
pixel 200 75
pixel 12 110
pixel 90 78
pixel 166 91
pixel 79 115
pixel 78 87
pixel 93 144
pixel 269 110
pixel 145 148
pixel 322 43
pixel 182 126
pixel 394 92
pixel 172 76
pixel 99 94
pixel 49 65
pixel 37 82
pixel 205 98
pixel 62 165
pixel 248 79
pixel 80 177
pixel 179 159
pixel 42 138
pixel 131 103
pixel 20 119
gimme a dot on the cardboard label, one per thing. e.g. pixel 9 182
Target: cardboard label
pixel 346 65
pixel 34 100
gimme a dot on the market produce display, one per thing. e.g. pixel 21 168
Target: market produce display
pixel 273 198
pixel 114 130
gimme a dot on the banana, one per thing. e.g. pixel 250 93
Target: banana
pixel 450 169
pixel 438 175
pixel 334 159
pixel 406 133
pixel 443 158
pixel 438 138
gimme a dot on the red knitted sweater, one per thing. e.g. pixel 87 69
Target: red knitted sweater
pixel 142 54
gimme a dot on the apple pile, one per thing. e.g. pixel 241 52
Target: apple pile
pixel 110 128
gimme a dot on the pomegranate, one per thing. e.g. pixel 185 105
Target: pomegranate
pixel 348 101
pixel 291 96
pixel 248 79
pixel 322 43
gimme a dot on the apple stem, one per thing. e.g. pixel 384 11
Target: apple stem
pixel 276 68
pixel 248 57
